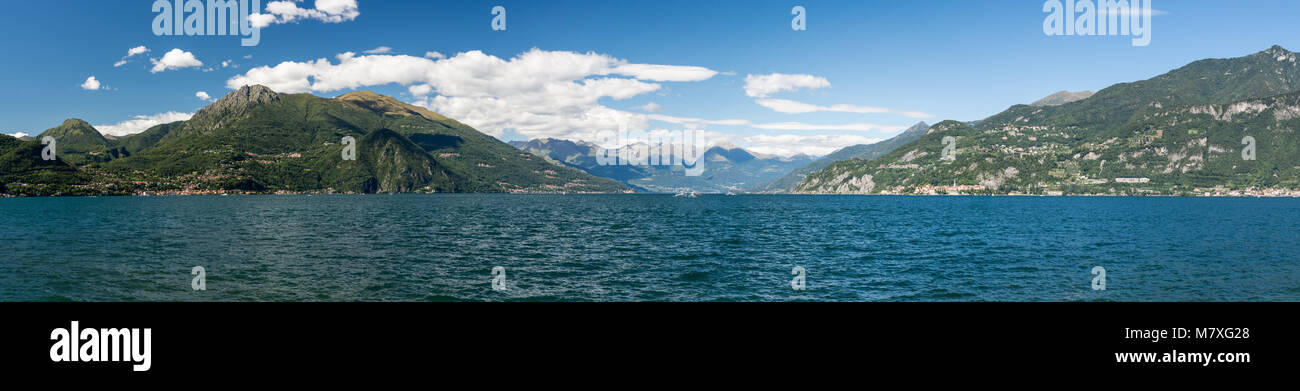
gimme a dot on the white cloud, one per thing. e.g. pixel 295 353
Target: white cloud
pixel 248 57
pixel 697 121
pixel 227 63
pixel 132 52
pixel 175 59
pixel 537 93
pixel 141 123
pixel 20 134
pixel 857 127
pixel 90 84
pixel 434 55
pixel 203 95
pixel 760 86
pixel 328 11
pixel 137 50
pixel 379 50
pixel 651 107
pixel 420 90
pixel 793 107
pixel 815 145
pixel 665 72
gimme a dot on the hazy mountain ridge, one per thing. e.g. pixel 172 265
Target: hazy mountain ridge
pixel 726 169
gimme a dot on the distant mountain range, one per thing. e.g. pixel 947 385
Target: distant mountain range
pixel 1213 127
pixel 255 140
pixel 726 169
pixel 788 182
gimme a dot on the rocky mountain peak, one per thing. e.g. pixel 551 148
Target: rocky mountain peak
pixel 239 99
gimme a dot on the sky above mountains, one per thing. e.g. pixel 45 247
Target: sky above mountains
pixel 861 71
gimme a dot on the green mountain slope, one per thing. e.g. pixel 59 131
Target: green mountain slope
pixel 788 182
pixel 1179 133
pixel 23 172
pixel 77 142
pixel 256 140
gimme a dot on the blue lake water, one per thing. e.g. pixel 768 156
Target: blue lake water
pixel 648 248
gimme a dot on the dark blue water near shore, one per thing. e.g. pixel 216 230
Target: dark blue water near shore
pixel 648 247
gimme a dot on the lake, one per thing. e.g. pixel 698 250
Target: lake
pixel 648 248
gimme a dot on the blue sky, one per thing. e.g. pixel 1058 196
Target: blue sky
pixel 932 59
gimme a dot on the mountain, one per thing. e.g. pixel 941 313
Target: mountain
pixel 580 155
pixel 257 140
pixel 78 142
pixel 1180 133
pixel 726 169
pixel 788 182
pixel 24 172
pixel 1061 98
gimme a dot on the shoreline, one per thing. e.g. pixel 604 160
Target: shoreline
pixel 1295 194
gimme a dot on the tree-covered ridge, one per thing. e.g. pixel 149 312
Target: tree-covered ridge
pixel 1177 134
pixel 24 172
pixel 256 140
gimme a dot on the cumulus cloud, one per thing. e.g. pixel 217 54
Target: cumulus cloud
pixel 175 59
pixel 665 72
pixel 132 52
pixel 203 95
pixel 327 11
pixel 698 121
pixel 20 134
pixel 760 86
pixel 651 107
pixel 90 84
pixel 137 50
pixel 379 50
pixel 793 107
pixel 858 127
pixel 141 123
pixel 537 93
pixel 434 55
pixel 420 90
